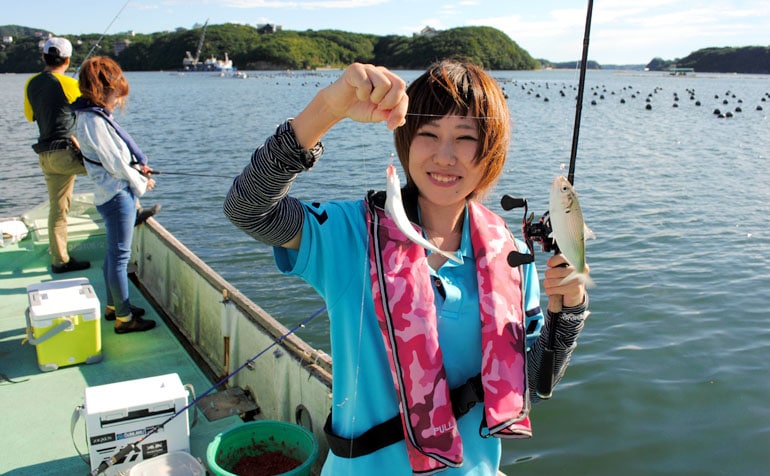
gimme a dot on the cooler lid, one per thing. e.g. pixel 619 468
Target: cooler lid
pixel 61 298
pixel 147 393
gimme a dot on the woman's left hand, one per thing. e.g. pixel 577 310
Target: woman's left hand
pixel 570 293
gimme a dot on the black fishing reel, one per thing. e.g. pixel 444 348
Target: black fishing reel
pixel 534 232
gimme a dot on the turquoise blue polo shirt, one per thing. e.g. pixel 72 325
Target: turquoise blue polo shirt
pixel 333 259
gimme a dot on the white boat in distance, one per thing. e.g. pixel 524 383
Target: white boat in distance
pixel 192 63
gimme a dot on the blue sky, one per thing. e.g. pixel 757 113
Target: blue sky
pixel 622 32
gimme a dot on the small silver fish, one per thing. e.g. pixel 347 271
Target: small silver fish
pixel 569 229
pixel 395 208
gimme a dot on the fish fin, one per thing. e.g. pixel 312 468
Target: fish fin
pixel 584 278
pixel 588 233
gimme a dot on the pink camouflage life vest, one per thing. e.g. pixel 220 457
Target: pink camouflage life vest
pixel 404 304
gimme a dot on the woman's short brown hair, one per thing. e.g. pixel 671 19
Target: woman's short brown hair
pixel 101 80
pixel 454 87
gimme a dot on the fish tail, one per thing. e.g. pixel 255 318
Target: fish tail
pixel 451 256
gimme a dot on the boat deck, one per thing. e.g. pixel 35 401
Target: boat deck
pixel 37 410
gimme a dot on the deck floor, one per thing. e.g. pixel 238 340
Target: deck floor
pixel 36 411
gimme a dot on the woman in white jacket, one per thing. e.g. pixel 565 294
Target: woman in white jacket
pixel 119 171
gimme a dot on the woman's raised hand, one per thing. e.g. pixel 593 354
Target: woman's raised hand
pixel 368 93
pixel 364 93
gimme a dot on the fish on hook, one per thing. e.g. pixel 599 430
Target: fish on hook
pixel 394 205
pixel 569 231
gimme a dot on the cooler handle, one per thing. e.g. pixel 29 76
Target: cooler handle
pixel 61 327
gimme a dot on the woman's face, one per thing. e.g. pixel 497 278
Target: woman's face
pixel 441 160
pixel 113 101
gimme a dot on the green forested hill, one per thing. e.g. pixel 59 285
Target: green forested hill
pixel 486 46
pixel 746 60
pixel 250 49
pixel 749 59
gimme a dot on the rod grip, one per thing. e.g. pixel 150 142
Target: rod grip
pixel 545 378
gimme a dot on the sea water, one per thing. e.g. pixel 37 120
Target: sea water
pixel 671 375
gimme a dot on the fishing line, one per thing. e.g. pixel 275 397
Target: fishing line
pixel 97 44
pixel 453 115
pixel 134 446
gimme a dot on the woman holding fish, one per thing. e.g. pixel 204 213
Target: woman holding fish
pixel 430 326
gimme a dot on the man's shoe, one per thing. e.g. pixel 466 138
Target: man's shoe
pixel 142 214
pixel 137 324
pixel 109 314
pixel 71 265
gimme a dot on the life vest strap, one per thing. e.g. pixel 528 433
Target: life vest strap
pixel 391 431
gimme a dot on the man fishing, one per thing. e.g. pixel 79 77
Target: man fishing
pixel 47 98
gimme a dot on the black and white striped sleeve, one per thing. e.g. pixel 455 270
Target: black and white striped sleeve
pixel 570 323
pixel 258 201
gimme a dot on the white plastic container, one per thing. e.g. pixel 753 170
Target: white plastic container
pixel 125 412
pixel 177 463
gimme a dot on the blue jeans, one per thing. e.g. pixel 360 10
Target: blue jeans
pixel 119 214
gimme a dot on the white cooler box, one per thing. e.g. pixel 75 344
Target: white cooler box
pixel 63 323
pixel 121 413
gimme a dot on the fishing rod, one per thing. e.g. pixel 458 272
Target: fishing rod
pixel 540 232
pixel 97 44
pixel 147 171
pixel 160 172
pixel 126 450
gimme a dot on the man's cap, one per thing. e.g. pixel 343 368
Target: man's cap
pixel 60 47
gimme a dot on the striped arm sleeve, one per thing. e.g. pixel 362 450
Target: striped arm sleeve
pixel 571 321
pixel 258 201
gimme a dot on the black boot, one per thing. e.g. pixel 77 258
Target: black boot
pixel 136 324
pixel 142 214
pixel 71 265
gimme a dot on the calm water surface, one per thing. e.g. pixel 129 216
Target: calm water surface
pixel 671 375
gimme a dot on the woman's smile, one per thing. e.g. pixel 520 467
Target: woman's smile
pixel 442 160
